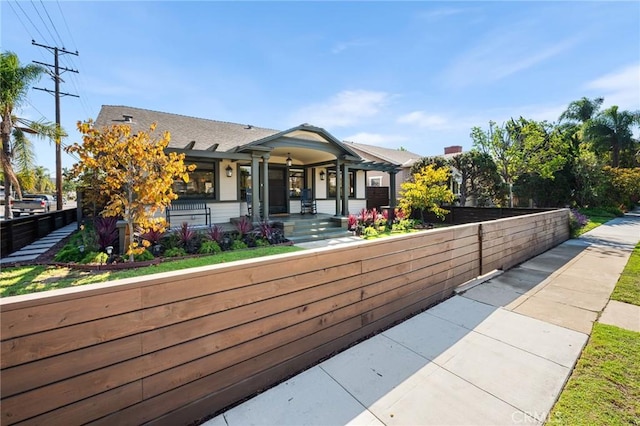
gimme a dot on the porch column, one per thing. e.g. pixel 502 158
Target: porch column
pixel 265 187
pixel 338 186
pixel 393 202
pixel 255 188
pixel 345 189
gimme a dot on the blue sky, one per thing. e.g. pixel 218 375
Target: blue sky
pixel 413 74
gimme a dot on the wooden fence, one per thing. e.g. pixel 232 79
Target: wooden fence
pixel 174 347
pixel 22 231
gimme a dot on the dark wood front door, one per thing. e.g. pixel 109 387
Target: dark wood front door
pixel 277 190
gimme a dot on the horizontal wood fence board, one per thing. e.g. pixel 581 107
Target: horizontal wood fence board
pixel 92 408
pixel 177 345
pixel 32 320
pixel 53 342
pixel 49 370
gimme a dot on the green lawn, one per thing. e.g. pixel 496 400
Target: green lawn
pixel 604 388
pixel 31 279
pixel 628 287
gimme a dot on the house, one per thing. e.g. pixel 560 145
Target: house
pixel 240 166
pixel 402 159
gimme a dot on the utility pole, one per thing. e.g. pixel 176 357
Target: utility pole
pixel 56 78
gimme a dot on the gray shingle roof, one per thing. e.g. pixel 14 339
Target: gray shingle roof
pixel 185 129
pixel 389 155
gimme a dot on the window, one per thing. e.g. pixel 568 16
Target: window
pixel 296 182
pixel 245 181
pixel 331 182
pixel 201 183
pixel 375 181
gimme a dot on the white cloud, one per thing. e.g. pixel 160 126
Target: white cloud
pixel 500 55
pixel 444 12
pixel 376 139
pixel 422 119
pixel 621 87
pixel 347 108
pixel 342 46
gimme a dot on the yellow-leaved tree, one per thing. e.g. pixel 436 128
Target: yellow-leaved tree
pixel 427 191
pixel 136 174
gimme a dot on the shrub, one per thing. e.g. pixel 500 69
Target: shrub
pixel 143 256
pixel 69 253
pixel 95 258
pixel 244 226
pixel 209 247
pixel 187 238
pixel 261 242
pixel 154 236
pixel 106 231
pixel 215 233
pixel 576 221
pixel 238 245
pixel 369 232
pixel 175 252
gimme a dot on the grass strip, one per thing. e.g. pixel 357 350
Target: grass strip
pixel 628 287
pixel 36 278
pixel 604 388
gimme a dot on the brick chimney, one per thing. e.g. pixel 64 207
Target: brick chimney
pixel 455 149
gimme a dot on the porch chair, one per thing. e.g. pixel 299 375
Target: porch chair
pixel 307 202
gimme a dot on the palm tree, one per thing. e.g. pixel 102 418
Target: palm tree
pixel 611 130
pixel 582 110
pixel 14 84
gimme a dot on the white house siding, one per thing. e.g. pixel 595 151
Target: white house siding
pixel 321 185
pixel 221 212
pixel 228 185
pixel 356 206
pixel 326 206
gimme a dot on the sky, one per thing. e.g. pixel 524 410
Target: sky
pixel 417 75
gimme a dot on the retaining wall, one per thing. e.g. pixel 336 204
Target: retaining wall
pixel 172 348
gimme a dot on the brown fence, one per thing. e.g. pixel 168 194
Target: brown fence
pixel 22 231
pixel 459 215
pixel 172 348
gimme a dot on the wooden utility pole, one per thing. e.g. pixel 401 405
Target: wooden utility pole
pixel 56 78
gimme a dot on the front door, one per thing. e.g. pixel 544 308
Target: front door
pixel 277 190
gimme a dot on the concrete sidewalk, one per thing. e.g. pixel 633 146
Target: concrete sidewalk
pixel 497 353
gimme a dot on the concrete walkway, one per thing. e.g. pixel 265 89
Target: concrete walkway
pixel 497 353
pixel 34 250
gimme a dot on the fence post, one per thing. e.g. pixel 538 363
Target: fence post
pixel 480 249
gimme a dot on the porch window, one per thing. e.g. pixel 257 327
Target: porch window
pixel 245 181
pixel 201 183
pixel 296 182
pixel 331 182
pixel 375 181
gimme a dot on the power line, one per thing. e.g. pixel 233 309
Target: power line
pixel 43 22
pixel 75 46
pixel 29 19
pixel 52 24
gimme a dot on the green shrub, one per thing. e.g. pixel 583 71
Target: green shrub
pixel 369 232
pixel 175 252
pixel 69 253
pixel 144 256
pixel 209 247
pixel 238 245
pixel 94 257
pixel 261 242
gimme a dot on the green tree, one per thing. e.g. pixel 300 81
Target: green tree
pixel 581 111
pixel 136 174
pixel 15 82
pixel 479 177
pixel 611 131
pixel 427 191
pixel 522 146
